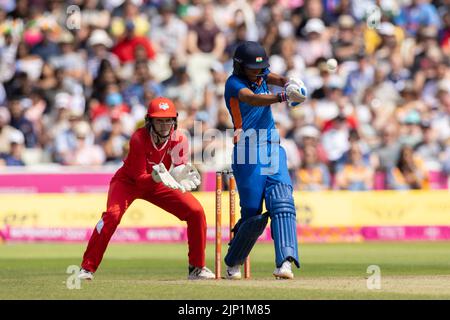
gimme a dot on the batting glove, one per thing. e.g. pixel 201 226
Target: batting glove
pixel 295 91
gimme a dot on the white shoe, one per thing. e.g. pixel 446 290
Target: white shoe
pixel 85 275
pixel 285 271
pixel 234 273
pixel 201 274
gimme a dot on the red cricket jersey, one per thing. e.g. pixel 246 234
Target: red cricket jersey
pixel 144 154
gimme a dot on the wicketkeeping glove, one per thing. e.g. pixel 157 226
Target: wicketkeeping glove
pixel 160 174
pixel 187 176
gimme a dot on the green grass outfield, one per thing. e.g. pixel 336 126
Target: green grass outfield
pixel 329 271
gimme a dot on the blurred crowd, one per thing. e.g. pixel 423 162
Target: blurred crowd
pixel 76 77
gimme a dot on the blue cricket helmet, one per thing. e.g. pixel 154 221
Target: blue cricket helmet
pixel 251 55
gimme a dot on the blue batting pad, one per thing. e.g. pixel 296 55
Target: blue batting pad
pixel 245 235
pixel 280 204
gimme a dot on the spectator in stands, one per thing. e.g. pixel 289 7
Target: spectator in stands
pixel 48 84
pixel 64 83
pixel 355 175
pixel 180 86
pixel 335 140
pixel 128 12
pixel 384 90
pixel 7 131
pixel 277 28
pixel 20 86
pixel 47 47
pixel 426 41
pixel 213 93
pixel 238 36
pixel 418 13
pixel 21 123
pixel 409 172
pixel 316 44
pixel 389 44
pixel 310 10
pixel 354 140
pixel 169 32
pixel 360 79
pixel 28 63
pixel 94 14
pixel 191 12
pixel 126 46
pixel 410 130
pixel 113 141
pixel 328 107
pixel 14 157
pixel 142 79
pixel 99 44
pixel 440 120
pixel 111 105
pixel 398 74
pixel 71 61
pixel 309 136
pixel 8 52
pixel 313 175
pixel 106 76
pixel 348 43
pixel 367 112
pixel 388 152
pixel 410 101
pixel 84 151
pixel 288 62
pixel 429 149
pixel 432 71
pixel 205 36
pixel 57 120
pixel 35 106
pixel 65 140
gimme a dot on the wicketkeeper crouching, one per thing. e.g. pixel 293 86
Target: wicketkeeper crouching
pixel 154 148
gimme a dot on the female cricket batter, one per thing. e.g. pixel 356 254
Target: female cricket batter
pixel 154 148
pixel 259 162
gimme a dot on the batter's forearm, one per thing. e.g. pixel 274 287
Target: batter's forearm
pixel 262 100
pixel 276 79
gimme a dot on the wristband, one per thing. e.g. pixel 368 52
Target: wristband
pixel 281 96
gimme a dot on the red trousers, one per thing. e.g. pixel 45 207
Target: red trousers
pixel 122 194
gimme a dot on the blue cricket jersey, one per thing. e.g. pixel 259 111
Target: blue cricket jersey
pixel 245 116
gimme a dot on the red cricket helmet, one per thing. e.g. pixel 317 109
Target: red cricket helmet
pixel 161 108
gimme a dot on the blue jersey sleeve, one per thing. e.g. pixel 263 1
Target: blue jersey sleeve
pixel 233 86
